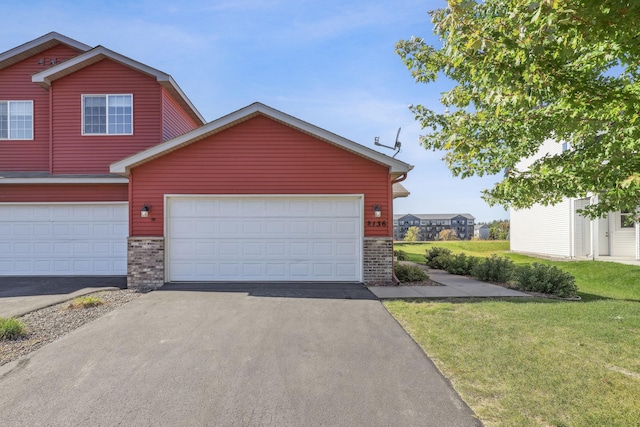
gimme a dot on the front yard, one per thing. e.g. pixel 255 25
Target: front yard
pixel 538 362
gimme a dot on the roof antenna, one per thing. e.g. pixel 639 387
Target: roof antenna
pixel 396 147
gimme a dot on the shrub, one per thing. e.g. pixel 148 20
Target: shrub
pixel 546 279
pixel 11 328
pixel 409 273
pixel 400 255
pixel 85 302
pixel 462 264
pixel 494 269
pixel 438 257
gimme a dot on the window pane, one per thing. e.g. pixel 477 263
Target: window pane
pixel 4 120
pixel 120 114
pixel 20 119
pixel 95 114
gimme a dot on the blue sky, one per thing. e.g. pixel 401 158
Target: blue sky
pixel 331 63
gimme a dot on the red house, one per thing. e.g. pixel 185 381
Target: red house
pixel 106 168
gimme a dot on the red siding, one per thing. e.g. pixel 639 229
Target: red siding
pixel 174 120
pixel 63 193
pixel 16 84
pixel 258 156
pixel 74 153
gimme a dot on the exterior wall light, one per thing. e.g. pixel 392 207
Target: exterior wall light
pixel 377 212
pixel 144 212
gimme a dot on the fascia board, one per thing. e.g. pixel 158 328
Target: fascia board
pixel 123 166
pixel 177 93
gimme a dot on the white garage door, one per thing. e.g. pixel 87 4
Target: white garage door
pixel 264 238
pixel 63 239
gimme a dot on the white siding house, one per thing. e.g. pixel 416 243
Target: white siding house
pixel 560 231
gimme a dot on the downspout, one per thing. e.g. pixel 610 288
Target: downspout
pixel 396 281
pixel 50 129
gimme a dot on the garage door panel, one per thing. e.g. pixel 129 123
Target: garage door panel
pixel 22 248
pixel 276 270
pixel 275 227
pixel 42 230
pixel 270 238
pixel 346 270
pixel 228 228
pixel 41 266
pixel 206 227
pixel 300 228
pixel 64 239
pixel 277 249
pixel 42 248
pixel 300 248
pixel 5 249
pixel 346 249
pixel 252 249
pixel 250 227
pixel 229 270
pixel 229 249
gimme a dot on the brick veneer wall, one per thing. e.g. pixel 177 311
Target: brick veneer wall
pixel 145 259
pixel 378 260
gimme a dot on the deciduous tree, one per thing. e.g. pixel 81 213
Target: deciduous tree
pixel 412 235
pixel 447 234
pixel 527 71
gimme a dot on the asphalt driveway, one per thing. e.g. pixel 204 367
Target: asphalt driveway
pixel 234 355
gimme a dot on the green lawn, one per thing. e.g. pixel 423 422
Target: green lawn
pixel 538 362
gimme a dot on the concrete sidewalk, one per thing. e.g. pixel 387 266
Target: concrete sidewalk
pixel 452 287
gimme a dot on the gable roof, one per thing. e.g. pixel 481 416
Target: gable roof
pixel 46 77
pixel 36 46
pixel 396 167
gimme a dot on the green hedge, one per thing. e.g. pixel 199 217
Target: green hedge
pixel 545 278
pixel 536 277
pixel 438 257
pixel 494 269
pixel 409 273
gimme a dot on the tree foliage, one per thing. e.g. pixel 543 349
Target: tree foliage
pixel 499 229
pixel 528 71
pixel 448 234
pixel 412 235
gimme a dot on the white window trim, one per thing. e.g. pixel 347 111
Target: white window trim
pixel 106 95
pixel 33 119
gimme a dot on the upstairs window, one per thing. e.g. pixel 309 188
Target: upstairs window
pixel 107 114
pixel 16 119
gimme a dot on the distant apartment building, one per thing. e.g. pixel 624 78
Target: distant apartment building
pixel 430 225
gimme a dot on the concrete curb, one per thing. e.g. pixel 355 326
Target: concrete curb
pixel 27 304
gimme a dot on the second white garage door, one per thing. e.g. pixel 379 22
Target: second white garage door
pixel 264 238
pixel 63 239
